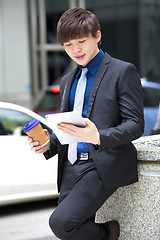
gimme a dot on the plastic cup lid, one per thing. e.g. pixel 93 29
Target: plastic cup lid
pixel 30 125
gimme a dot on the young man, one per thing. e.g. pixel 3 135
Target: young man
pixel 113 112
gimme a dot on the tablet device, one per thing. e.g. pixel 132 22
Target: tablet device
pixel 73 117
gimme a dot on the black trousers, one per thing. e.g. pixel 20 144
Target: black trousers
pixel 81 195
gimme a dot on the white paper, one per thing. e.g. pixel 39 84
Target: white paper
pixel 66 117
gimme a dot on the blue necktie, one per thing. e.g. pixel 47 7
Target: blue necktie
pixel 78 106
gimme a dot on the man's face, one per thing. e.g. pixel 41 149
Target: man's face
pixel 83 50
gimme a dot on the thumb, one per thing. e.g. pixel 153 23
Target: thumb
pixel 87 121
pixel 46 131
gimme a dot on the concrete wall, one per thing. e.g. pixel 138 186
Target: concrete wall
pixel 137 207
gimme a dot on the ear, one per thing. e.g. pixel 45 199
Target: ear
pixel 98 36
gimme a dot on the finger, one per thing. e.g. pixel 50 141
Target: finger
pixel 36 148
pixel 67 127
pixel 30 139
pixel 39 149
pixel 68 131
pixel 34 144
pixel 46 131
pixel 87 120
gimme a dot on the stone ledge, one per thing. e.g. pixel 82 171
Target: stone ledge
pixel 148 148
pixel 137 206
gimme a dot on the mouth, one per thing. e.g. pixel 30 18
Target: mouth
pixel 80 57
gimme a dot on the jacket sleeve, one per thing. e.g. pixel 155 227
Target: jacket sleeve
pixel 53 147
pixel 130 100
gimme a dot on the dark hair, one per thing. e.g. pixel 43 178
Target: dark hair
pixel 76 23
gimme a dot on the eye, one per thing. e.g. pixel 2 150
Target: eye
pixel 68 44
pixel 82 41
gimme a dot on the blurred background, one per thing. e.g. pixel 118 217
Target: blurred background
pixel 32 62
pixel 31 66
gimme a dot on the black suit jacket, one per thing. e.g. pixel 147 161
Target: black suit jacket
pixel 116 108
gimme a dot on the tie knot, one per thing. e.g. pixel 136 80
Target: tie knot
pixel 84 71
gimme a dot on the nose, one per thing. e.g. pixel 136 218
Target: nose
pixel 76 48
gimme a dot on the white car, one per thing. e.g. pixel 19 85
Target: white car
pixel 24 175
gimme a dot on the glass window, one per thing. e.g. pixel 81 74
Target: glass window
pixel 49 61
pixel 151 97
pixel 149 40
pixel 54 10
pixel 119 26
pixel 58 64
pixel 13 121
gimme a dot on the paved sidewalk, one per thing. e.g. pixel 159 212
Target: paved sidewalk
pixel 27 223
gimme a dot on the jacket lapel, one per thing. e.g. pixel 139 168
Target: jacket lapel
pixel 98 78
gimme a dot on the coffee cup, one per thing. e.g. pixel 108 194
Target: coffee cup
pixel 34 129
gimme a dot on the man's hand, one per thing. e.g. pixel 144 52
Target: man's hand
pixel 36 147
pixel 88 134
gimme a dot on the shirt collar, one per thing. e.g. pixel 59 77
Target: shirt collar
pixel 93 65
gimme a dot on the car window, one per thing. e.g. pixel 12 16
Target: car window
pixel 13 121
pixel 151 97
pixel 49 102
